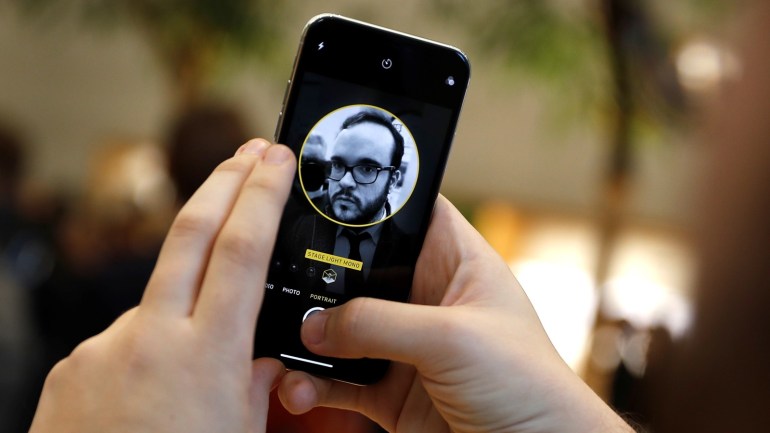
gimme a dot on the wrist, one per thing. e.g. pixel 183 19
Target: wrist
pixel 579 409
pixel 598 417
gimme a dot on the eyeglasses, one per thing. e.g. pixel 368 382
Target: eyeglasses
pixel 363 174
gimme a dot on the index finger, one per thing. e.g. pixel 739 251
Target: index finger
pixel 174 284
pixel 233 286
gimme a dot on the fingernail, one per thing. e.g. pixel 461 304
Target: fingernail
pixel 253 147
pixel 314 328
pixel 277 155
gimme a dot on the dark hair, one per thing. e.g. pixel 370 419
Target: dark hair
pixel 198 140
pixel 378 118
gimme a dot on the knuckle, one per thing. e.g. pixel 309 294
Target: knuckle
pixel 85 355
pixel 266 187
pixel 239 247
pixel 192 223
pixel 458 334
pixel 354 314
pixel 135 354
pixel 133 347
pixel 57 376
pixel 84 352
pixel 139 348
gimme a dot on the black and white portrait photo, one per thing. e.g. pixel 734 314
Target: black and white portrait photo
pixel 359 165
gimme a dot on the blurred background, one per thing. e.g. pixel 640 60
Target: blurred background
pixel 577 157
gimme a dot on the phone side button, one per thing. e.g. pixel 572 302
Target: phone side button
pixel 278 125
pixel 285 94
pixel 311 311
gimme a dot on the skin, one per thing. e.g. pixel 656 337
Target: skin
pixel 185 352
pixel 474 358
pixel 363 143
pixel 477 362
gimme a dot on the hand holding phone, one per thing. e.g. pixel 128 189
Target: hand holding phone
pixel 472 355
pixel 370 114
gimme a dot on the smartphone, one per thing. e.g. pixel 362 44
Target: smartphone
pixel 370 114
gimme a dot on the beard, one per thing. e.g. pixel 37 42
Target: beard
pixel 349 209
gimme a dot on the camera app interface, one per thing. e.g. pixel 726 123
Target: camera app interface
pixel 358 168
pixel 369 167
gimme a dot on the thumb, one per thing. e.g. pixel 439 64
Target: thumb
pixel 374 328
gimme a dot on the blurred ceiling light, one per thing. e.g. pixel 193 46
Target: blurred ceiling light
pixel 703 66
pixel 559 240
pixel 564 297
pixel 554 258
pixel 646 304
pixel 649 281
pixel 553 262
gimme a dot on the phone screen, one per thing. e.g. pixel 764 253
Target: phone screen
pixel 370 114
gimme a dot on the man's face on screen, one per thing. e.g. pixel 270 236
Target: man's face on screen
pixel 367 144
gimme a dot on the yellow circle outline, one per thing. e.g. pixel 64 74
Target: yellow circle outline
pixel 414 185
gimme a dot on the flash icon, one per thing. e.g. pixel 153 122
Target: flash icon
pixel 320 46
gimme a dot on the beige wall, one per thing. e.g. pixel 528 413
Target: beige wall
pixel 69 89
